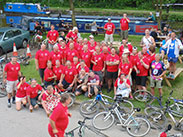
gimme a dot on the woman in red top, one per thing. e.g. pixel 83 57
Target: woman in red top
pixel 21 93
pixel 59 118
pixel 50 99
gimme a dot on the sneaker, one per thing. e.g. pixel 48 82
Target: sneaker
pixel 109 90
pixel 172 76
pixel 9 105
pixel 13 102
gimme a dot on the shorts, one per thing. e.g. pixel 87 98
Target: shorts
pixel 124 92
pixel 41 72
pixel 133 75
pixel 20 99
pixel 156 83
pixel 141 80
pixel 174 60
pixel 65 84
pixel 124 34
pixel 109 37
pixel 112 75
pixel 34 101
pixel 11 86
pixel 100 74
pixel 92 90
pixel 162 49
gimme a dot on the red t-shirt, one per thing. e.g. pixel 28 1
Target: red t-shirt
pixel 86 56
pixel 151 58
pixel 58 71
pixel 124 24
pixel 70 54
pixel 125 68
pixel 21 92
pixel 105 55
pixel 72 35
pixel 33 91
pixel 121 82
pixel 48 73
pixel 99 59
pixel 133 59
pixel 111 58
pixel 45 95
pixel 141 68
pixel 86 69
pixel 91 48
pixel 69 74
pixel 52 35
pixel 121 49
pixel 110 27
pixel 60 117
pixel 63 52
pixel 12 71
pixel 55 56
pixel 42 57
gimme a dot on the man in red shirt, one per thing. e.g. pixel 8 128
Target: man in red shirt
pixel 52 37
pixel 73 34
pixel 112 62
pixel 41 59
pixel 86 55
pixel 71 52
pixel 124 26
pixel 59 118
pixel 55 55
pixel 32 94
pixel 11 71
pixel 125 45
pixel 58 70
pixel 49 76
pixel 98 63
pixel 109 28
pixel 141 67
pixel 69 76
pixel 63 50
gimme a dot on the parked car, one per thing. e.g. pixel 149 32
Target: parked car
pixel 10 35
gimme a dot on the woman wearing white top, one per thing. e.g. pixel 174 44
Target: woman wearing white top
pixel 147 40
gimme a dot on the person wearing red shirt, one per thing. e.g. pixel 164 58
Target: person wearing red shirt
pixel 98 63
pixel 125 45
pixel 50 99
pixel 152 53
pixel 59 118
pixel 122 86
pixel 124 26
pixel 109 27
pixel 63 49
pixel 11 71
pixel 52 37
pixel 75 63
pixel 49 76
pixel 79 46
pixel 141 67
pixel 41 59
pixel 55 55
pixel 73 34
pixel 69 76
pixel 112 62
pixel 82 65
pixel 71 52
pixel 91 46
pixel 32 94
pixel 58 70
pixel 21 93
pixel 86 56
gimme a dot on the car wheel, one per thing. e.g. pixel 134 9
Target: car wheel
pixel 1 51
pixel 24 43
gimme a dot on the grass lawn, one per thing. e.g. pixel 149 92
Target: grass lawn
pixel 177 85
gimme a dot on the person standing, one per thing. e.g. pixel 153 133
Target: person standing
pixel 41 59
pixel 109 27
pixel 124 27
pixel 59 118
pixel 52 37
pixel 11 71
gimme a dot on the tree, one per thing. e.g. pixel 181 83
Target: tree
pixel 72 12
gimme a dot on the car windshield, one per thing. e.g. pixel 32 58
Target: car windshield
pixel 1 34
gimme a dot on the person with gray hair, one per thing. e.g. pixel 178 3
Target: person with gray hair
pixel 73 34
pixel 157 70
pixel 55 55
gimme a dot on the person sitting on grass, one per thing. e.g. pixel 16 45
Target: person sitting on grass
pixel 122 86
pixel 32 94
pixel 21 93
pixel 50 100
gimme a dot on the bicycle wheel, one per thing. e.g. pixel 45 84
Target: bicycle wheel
pixel 3 92
pixel 177 109
pixel 157 120
pixel 138 127
pixel 149 110
pixel 142 95
pixel 73 98
pixel 97 132
pixel 126 106
pixel 103 120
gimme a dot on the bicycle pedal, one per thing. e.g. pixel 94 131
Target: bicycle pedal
pixel 118 124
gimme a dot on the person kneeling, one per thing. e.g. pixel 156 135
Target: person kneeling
pixel 122 86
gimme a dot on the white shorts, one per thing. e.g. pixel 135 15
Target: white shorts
pixel 19 99
pixel 11 86
pixel 124 93
pixel 109 37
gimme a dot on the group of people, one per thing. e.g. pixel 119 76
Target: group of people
pixel 86 66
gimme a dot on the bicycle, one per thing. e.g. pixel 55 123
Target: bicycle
pixel 133 125
pixel 165 133
pixel 24 60
pixel 158 117
pixel 142 95
pixel 3 92
pixel 82 127
pixel 100 103
pixel 36 40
